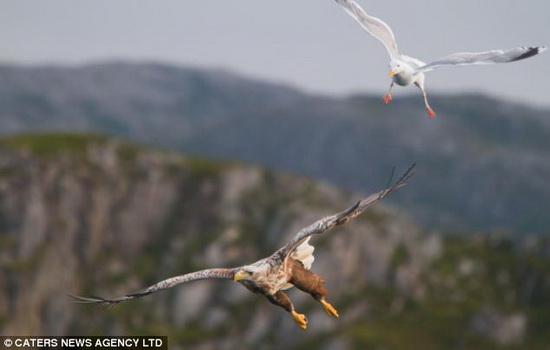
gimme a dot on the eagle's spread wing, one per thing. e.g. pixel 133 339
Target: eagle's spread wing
pixel 329 222
pixel 165 284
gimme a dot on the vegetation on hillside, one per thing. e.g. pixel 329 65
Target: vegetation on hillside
pixel 86 214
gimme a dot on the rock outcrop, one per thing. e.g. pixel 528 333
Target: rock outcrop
pixel 92 215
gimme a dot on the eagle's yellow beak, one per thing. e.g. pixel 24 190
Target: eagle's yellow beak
pixel 392 73
pixel 240 275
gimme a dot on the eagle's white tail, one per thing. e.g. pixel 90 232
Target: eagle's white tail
pixel 304 254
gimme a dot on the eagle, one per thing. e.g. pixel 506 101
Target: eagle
pixel 288 267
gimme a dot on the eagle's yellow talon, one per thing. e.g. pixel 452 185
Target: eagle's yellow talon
pixel 329 309
pixel 300 319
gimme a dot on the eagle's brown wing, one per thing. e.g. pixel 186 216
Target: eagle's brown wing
pixel 165 284
pixel 329 222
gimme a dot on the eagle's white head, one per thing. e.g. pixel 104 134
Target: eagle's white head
pixel 246 273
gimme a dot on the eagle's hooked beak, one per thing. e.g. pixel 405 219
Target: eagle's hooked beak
pixel 392 73
pixel 240 275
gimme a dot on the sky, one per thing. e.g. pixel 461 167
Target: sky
pixel 310 44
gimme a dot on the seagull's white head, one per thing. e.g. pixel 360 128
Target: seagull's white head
pixel 401 72
pixel 396 67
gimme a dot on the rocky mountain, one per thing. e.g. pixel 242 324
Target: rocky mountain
pixel 484 161
pixel 93 215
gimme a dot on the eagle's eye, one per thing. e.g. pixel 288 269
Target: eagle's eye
pixel 242 275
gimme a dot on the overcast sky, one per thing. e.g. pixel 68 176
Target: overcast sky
pixel 312 44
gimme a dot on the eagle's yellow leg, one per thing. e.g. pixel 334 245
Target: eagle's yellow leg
pixel 329 309
pixel 300 319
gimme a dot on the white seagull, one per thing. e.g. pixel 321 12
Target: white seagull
pixel 406 70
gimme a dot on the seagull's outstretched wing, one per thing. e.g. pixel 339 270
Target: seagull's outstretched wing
pixel 329 222
pixel 376 27
pixel 167 283
pixel 488 57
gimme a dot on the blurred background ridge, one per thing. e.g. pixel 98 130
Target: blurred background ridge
pixel 483 164
pixel 128 156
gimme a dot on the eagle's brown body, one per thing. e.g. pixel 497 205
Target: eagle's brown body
pixel 287 267
pixel 295 274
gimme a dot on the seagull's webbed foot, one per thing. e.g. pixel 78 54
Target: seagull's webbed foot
pixel 431 113
pixel 300 319
pixel 387 98
pixel 329 309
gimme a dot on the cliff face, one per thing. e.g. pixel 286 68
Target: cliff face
pixel 90 215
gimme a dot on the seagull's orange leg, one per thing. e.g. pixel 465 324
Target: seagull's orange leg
pixel 387 97
pixel 429 109
pixel 431 113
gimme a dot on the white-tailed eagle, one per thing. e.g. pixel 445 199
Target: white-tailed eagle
pixel 287 267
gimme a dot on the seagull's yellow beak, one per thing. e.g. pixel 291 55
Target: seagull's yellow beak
pixel 240 275
pixel 392 73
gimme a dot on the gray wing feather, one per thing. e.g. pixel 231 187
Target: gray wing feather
pixel 488 57
pixel 374 26
pixel 341 218
pixel 165 284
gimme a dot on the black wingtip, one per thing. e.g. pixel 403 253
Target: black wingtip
pixel 92 300
pixel 530 52
pixel 348 211
pixel 406 176
pixel 399 183
pixel 391 177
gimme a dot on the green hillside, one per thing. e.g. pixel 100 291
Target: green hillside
pixel 92 215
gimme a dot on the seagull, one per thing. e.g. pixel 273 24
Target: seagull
pixel 406 70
